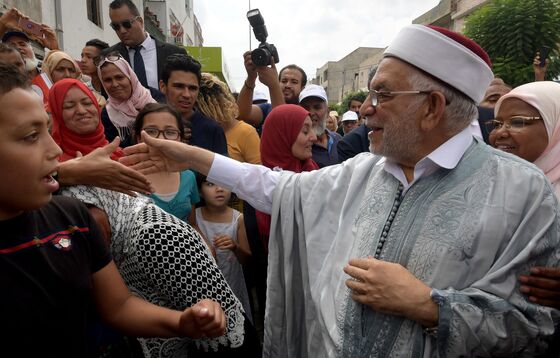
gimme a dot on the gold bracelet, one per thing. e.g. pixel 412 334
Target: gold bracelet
pixel 249 87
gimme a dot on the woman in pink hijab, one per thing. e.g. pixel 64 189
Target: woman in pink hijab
pixel 127 97
pixel 535 135
pixel 528 125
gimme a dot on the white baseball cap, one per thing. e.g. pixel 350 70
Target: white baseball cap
pixel 349 116
pixel 259 95
pixel 313 91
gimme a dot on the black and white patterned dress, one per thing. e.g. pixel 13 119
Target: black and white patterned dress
pixel 164 260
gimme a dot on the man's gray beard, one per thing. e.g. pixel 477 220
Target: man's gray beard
pixel 31 63
pixel 401 142
pixel 320 127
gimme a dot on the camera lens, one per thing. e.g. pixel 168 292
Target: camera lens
pixel 260 56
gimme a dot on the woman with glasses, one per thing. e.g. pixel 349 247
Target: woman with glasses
pixel 174 192
pixel 127 97
pixel 527 124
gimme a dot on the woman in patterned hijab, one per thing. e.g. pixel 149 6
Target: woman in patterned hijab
pixel 164 260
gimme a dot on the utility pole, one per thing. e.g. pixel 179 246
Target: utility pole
pixel 249 28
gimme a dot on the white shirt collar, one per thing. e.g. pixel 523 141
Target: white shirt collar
pixel 445 156
pixel 147 44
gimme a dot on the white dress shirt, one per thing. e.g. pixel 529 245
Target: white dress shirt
pixel 149 55
pixel 445 156
pixel 256 183
pixel 475 129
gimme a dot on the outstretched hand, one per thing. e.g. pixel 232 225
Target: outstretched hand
pixel 206 319
pixel 156 155
pixel 98 169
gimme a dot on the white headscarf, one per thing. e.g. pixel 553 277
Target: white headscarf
pixel 545 97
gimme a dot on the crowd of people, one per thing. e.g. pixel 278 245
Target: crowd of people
pixel 151 212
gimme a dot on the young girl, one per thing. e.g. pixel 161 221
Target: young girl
pixel 224 229
pixel 175 192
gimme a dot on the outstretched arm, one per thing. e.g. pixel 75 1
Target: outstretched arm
pixel 98 169
pixel 137 317
pixel 155 155
pixel 250 182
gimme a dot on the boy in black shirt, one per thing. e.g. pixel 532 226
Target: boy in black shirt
pixel 53 262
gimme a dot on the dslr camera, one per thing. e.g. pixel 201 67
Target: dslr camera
pixel 262 55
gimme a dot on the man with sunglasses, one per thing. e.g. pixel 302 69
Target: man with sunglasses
pixel 145 54
pixel 416 250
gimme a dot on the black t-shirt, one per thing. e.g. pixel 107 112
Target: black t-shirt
pixel 47 258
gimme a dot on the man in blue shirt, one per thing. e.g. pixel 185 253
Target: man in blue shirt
pixel 314 99
pixel 180 83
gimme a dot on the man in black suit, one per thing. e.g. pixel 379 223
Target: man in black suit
pixel 145 54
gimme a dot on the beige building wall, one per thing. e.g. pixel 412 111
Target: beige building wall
pixel 465 8
pixel 365 68
pixel 450 14
pixel 346 75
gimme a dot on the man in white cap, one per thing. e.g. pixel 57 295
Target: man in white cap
pixel 324 151
pixel 259 96
pixel 415 255
pixel 349 121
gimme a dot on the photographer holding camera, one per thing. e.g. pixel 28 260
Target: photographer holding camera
pixel 283 88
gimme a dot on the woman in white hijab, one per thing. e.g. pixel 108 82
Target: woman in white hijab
pixel 527 125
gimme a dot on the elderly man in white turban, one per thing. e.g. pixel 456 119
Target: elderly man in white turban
pixel 414 255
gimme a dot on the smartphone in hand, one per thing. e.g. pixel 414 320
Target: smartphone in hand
pixel 543 54
pixel 31 27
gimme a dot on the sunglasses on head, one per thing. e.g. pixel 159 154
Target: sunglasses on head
pixel 127 24
pixel 111 57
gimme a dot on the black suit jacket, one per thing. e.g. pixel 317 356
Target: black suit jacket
pixel 163 50
pixel 485 115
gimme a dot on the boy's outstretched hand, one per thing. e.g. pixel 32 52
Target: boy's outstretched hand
pixel 206 319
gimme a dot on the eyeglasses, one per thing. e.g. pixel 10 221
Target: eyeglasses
pixel 378 97
pixel 127 24
pixel 514 124
pixel 171 134
pixel 112 57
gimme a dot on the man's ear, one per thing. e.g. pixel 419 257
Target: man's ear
pixel 162 87
pixel 433 111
